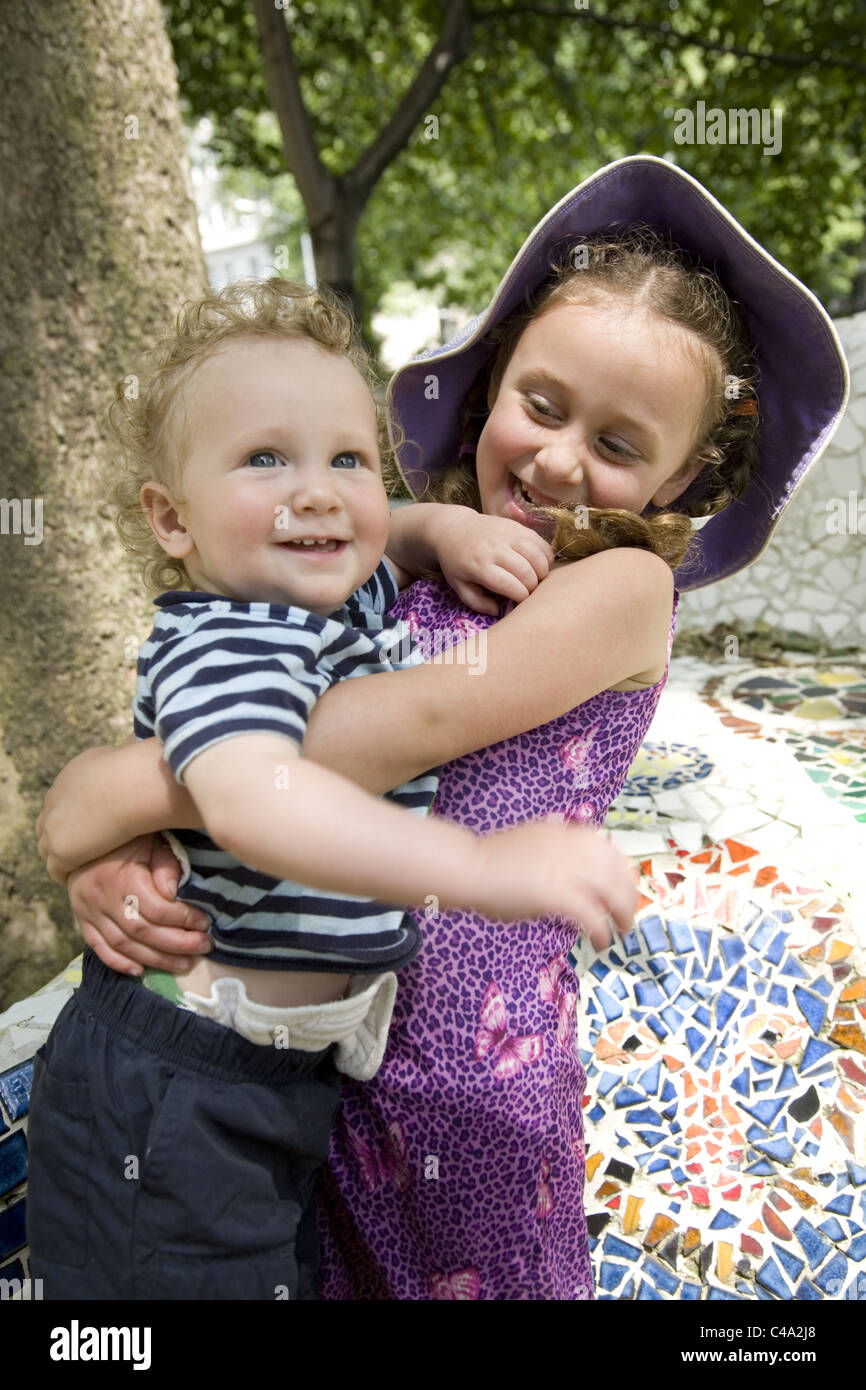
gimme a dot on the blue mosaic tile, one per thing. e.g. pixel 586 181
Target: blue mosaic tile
pixel 654 935
pixel 764 1111
pixel 606 1083
pixel 832 1230
pixel 12 1229
pixel 793 968
pixel 739 979
pixel 668 1090
pixel 680 936
pixel 646 1293
pixel 628 1291
pixel 719 1296
pixel 691 1292
pixel 776 948
pixel 791 1265
pixel 612 1010
pixel 740 1083
pixel 649 1079
pixel 807 1292
pixel 771 1277
pixel 15 1089
pixel 661 1277
pixel 657 1165
pixel 13 1162
pixel 812 1008
pixel 643 1116
pixel 832 1277
pixel 814 1246
pixel 722 1220
pixel 648 994
pixel 762 935
pixel 857 1248
pixel 816 1051
pixel 627 1095
pixel 823 987
pixel 612 1275
pixel 787 1081
pixel 857 1174
pixel 596 1114
pixel 614 1246
pixel 778 995
pixel 733 949
pixel 725 1006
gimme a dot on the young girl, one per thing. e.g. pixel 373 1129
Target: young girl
pixel 624 383
pixel 252 445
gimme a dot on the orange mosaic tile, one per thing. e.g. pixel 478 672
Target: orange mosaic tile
pixel 724 1261
pixel 856 990
pixel 804 1199
pixel 661 1227
pixel 631 1220
pixel 775 1225
pixel 606 1189
pixel 849 1035
pixel 691 1241
pixel 592 1162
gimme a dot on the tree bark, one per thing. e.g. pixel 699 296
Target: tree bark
pixel 100 244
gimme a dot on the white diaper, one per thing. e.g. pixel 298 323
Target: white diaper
pixel 358 1024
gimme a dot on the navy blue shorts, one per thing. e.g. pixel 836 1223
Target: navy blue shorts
pixel 170 1158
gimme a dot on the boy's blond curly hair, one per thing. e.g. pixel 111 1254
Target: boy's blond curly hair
pixel 142 413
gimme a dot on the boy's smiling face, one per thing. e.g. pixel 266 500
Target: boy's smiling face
pixel 600 405
pixel 278 454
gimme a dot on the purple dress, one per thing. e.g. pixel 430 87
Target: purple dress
pixel 458 1172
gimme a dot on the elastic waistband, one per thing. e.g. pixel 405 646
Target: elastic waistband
pixel 161 1028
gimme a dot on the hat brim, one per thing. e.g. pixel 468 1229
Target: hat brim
pixel 803 376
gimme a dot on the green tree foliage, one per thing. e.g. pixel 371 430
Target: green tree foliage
pixel 542 96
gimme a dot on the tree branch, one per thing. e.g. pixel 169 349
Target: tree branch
pixel 449 50
pixel 316 186
pixel 666 31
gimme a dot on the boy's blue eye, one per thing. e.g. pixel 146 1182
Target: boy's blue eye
pixel 346 460
pixel 271 460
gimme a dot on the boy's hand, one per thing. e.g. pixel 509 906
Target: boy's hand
pixel 126 909
pixel 478 552
pixel 548 869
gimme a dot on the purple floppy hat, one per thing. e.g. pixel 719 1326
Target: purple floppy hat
pixel 803 377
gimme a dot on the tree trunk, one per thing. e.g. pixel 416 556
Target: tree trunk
pixel 100 244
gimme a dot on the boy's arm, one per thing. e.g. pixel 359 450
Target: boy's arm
pixel 286 817
pixel 477 554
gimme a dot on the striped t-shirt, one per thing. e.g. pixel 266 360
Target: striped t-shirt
pixel 214 668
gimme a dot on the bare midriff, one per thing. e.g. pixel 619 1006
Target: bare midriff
pixel 279 989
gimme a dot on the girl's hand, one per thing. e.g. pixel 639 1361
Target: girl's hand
pixel 126 909
pixel 76 801
pixel 548 869
pixel 478 552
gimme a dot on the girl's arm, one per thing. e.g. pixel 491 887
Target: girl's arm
pixel 589 626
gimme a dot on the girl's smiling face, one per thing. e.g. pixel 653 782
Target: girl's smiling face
pixel 601 404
